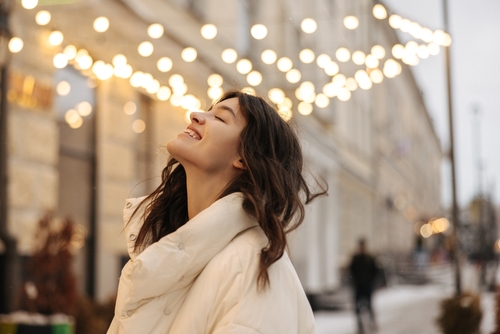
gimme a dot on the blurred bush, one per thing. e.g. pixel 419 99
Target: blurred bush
pixel 460 314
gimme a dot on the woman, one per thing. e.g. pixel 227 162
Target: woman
pixel 207 247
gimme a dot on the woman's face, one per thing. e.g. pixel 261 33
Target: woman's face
pixel 211 141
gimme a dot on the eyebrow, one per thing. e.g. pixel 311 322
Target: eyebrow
pixel 223 107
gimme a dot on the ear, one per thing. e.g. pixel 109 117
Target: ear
pixel 238 163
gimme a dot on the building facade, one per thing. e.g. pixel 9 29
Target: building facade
pixel 375 148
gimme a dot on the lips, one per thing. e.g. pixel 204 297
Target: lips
pixel 192 133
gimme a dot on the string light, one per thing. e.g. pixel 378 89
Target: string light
pixel 339 80
pixel 293 76
pixel 60 60
pixel 258 31
pixel 129 108
pixel 63 88
pixel 378 51
pixel 138 126
pixel 15 44
pixel 344 94
pixel 43 17
pixel 56 38
pixel 398 51
pixel 330 89
pixel 244 66
pixel 84 108
pixel 268 57
pixel 343 54
pixel 306 56
pixel 371 61
pixel 164 64
pixel 358 57
pixel 189 54
pixel 101 24
pixel 83 60
pixel 433 49
pixel 332 68
pixel 70 52
pixel 164 93
pixel 29 4
pixel 377 76
pixel 229 56
pixel 276 95
pixel 215 92
pixel 308 25
pixel 395 21
pixel 215 80
pixel 145 49
pixel 351 84
pixel 208 31
pixel 379 11
pixel 305 108
pixel 351 22
pixel 175 80
pixel 254 78
pixel 321 100
pixel 155 30
pixel 323 60
pixel 284 64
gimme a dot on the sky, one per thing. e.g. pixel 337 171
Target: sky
pixel 475 68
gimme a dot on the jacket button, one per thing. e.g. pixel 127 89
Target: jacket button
pixel 167 311
pixel 128 205
pixel 132 237
pixel 181 246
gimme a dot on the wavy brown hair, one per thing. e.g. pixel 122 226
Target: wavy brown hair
pixel 272 183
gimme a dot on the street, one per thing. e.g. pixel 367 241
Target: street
pixel 403 309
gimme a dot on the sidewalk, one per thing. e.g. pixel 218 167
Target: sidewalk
pixel 403 309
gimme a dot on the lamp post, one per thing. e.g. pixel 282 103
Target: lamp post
pixel 454 210
pixel 8 257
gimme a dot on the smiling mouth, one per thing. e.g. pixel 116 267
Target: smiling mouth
pixel 192 134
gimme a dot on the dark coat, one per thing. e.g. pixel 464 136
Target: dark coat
pixel 363 271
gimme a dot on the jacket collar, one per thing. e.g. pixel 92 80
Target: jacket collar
pixel 186 252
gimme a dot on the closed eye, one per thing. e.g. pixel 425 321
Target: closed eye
pixel 220 119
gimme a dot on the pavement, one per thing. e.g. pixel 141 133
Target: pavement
pixel 401 309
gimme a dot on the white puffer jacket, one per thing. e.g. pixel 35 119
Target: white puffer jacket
pixel 203 279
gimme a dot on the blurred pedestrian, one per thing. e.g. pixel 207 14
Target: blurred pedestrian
pixel 364 271
pixel 207 247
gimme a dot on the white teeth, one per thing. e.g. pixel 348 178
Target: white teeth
pixel 192 133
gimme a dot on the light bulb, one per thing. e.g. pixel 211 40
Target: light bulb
pixel 351 22
pixel 29 4
pixel 358 57
pixel 209 31
pixel 332 68
pixel 164 93
pixel 229 56
pixel 101 24
pixel 145 49
pixel 293 76
pixel 70 51
pixel 56 38
pixel 15 44
pixel 254 78
pixel 379 11
pixel 323 60
pixel 60 60
pixel 343 54
pixel 321 100
pixel 398 51
pixel 378 51
pixel 84 108
pixel 395 21
pixel 155 30
pixel 43 17
pixel 63 88
pixel 119 60
pixel 189 54
pixel 284 64
pixel 215 80
pixel 244 66
pixel 307 56
pixel 258 31
pixel 305 108
pixel 268 57
pixel 164 64
pixel 308 25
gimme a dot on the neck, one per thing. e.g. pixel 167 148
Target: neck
pixel 203 190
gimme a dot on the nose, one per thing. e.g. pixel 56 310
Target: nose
pixel 197 117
